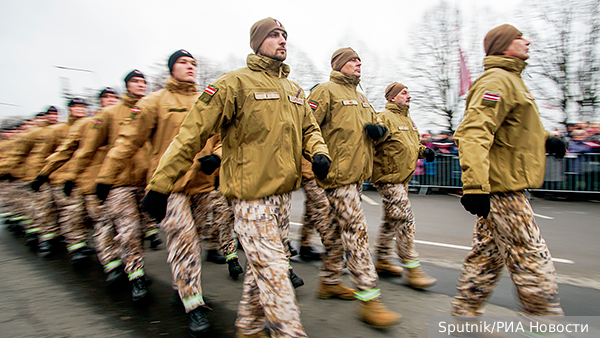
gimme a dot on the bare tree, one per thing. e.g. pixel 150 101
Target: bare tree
pixel 435 70
pixel 564 61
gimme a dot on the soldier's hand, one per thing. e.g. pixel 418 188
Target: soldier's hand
pixel 155 204
pixel 556 147
pixel 209 163
pixel 429 155
pixel 68 188
pixel 320 166
pixel 102 191
pixel 38 181
pixel 476 204
pixel 375 131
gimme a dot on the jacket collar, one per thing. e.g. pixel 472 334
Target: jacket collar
pixel 259 63
pixel 343 79
pixel 508 63
pixel 396 108
pixel 129 101
pixel 184 88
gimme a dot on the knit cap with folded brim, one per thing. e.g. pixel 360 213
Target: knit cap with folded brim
pixel 392 90
pixel 341 56
pixel 261 29
pixel 498 39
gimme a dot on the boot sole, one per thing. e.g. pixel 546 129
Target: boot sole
pixel 323 295
pixel 385 326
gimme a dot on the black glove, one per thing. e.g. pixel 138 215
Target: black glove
pixel 155 204
pixel 38 181
pixel 476 204
pixel 375 131
pixel 556 147
pixel 102 191
pixel 320 166
pixel 68 188
pixel 429 155
pixel 209 163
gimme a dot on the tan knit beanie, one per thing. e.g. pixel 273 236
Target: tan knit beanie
pixel 392 90
pixel 341 56
pixel 261 29
pixel 498 39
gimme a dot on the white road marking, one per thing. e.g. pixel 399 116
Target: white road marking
pixel 369 200
pixel 461 247
pixel 542 216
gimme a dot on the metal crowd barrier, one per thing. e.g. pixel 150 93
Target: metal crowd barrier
pixel 574 173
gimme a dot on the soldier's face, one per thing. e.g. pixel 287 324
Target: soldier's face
pixel 518 48
pixel 108 100
pixel 137 86
pixel 52 117
pixel 352 67
pixel 78 111
pixel 274 45
pixel 402 98
pixel 184 69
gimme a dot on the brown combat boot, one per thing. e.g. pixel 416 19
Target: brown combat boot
pixel 418 279
pixel 385 266
pixel 261 334
pixel 339 290
pixel 377 315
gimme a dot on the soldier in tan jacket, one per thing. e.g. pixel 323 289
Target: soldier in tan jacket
pixel 350 126
pixel 502 146
pixel 265 126
pixel 394 163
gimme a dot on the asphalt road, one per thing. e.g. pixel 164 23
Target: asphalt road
pixel 48 298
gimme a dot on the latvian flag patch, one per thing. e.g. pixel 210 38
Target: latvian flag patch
pixel 208 93
pixel 490 99
pixel 134 112
pixel 313 104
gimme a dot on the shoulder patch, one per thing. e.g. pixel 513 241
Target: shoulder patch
pixel 313 104
pixel 96 122
pixel 208 94
pixel 490 98
pixel 134 112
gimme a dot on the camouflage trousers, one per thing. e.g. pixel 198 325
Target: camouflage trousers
pixel 313 209
pixel 121 207
pixel 351 228
pixel 107 248
pixel 61 214
pixel 509 236
pixel 21 206
pixel 149 223
pixel 267 293
pixel 217 230
pixel 398 221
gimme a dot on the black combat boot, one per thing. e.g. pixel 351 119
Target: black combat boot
pixel 155 241
pixel 296 280
pixel 215 257
pixel 138 289
pixel 114 276
pixel 80 256
pixel 293 251
pixel 234 268
pixel 45 248
pixel 307 253
pixel 199 323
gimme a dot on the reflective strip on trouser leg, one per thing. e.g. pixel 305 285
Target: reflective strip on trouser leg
pixel 411 264
pixel 76 246
pixel 121 206
pixel 6 214
pixel 231 256
pixel 268 295
pixel 183 246
pixel 33 230
pixel 192 302
pixel 398 221
pixel 367 295
pixel 346 208
pixel 112 265
pixel 47 237
pixel 135 274
pixel 16 218
pixel 151 232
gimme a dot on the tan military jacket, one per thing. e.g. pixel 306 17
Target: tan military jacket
pixel 501 141
pixel 397 154
pixel 157 118
pixel 99 138
pixel 22 160
pixel 265 126
pixel 58 133
pixel 342 112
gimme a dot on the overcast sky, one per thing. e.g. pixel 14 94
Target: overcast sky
pixel 110 38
